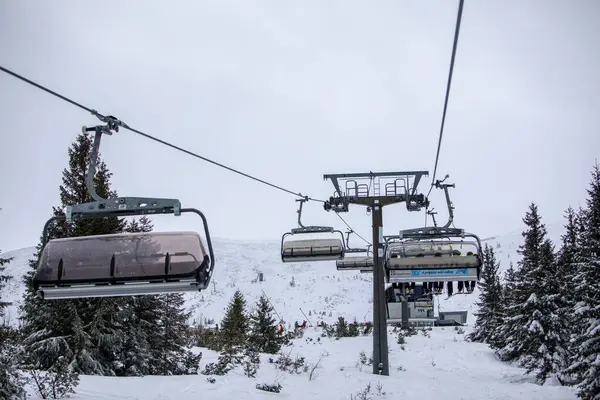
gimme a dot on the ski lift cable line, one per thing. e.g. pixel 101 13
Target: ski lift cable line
pixel 124 125
pixel 352 230
pixel 448 85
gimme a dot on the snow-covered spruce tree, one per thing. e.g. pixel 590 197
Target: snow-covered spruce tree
pixel 3 279
pixel 533 332
pixel 170 340
pixel 11 380
pixel 87 332
pixel 567 267
pixel 586 365
pixel 233 334
pixel 498 336
pixel 490 297
pixel 263 335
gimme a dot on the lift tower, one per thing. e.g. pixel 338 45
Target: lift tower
pixel 398 187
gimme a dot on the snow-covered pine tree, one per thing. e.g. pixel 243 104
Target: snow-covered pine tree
pixel 568 256
pixel 170 340
pixel 3 279
pixel 534 334
pixel 490 297
pixel 499 334
pixel 86 331
pixel 11 380
pixel 567 266
pixel 587 343
pixel 263 334
pixel 233 334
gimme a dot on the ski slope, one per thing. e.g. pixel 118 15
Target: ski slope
pixel 440 365
pixel 319 290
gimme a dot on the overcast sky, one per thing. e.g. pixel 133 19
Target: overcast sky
pixel 289 91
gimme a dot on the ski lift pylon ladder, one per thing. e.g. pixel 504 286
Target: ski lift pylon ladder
pixel 311 249
pixel 123 264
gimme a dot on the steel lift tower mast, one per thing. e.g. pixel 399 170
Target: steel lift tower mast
pixel 398 187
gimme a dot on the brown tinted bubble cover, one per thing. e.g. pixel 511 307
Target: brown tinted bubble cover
pixel 136 256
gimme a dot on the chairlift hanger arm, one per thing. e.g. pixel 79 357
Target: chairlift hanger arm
pixel 440 185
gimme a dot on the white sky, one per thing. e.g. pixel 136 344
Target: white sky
pixel 291 91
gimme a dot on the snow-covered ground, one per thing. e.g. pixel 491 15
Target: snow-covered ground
pixel 443 365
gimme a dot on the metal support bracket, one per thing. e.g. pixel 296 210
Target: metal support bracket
pixel 123 206
pixel 308 229
pixel 440 185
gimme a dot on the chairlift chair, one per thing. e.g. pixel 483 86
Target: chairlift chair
pixel 123 264
pixel 430 256
pixel 435 255
pixel 363 263
pixel 311 249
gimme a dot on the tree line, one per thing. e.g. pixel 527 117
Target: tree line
pixel 544 313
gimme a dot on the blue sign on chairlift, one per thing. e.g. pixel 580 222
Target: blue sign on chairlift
pixel 437 272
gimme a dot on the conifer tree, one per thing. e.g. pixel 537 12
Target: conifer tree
pixel 585 363
pixel 568 256
pixel 86 331
pixel 170 340
pixel 535 335
pixel 488 314
pixel 264 333
pixel 567 266
pixel 11 380
pixel 233 335
pixel 3 280
pixel 500 333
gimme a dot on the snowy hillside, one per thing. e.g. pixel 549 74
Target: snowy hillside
pixel 440 366
pixel 318 288
pixel 440 363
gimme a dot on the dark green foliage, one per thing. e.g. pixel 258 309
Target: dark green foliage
pixel 264 331
pixel 490 300
pixel 234 326
pixel 586 346
pixel 57 382
pixel 343 329
pixel 251 362
pixel 233 335
pixel 11 380
pixel 169 353
pixel 3 279
pixel 532 331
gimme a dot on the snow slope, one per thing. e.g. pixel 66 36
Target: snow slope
pixel 322 292
pixel 441 366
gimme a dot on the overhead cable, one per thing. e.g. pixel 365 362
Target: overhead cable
pixel 125 126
